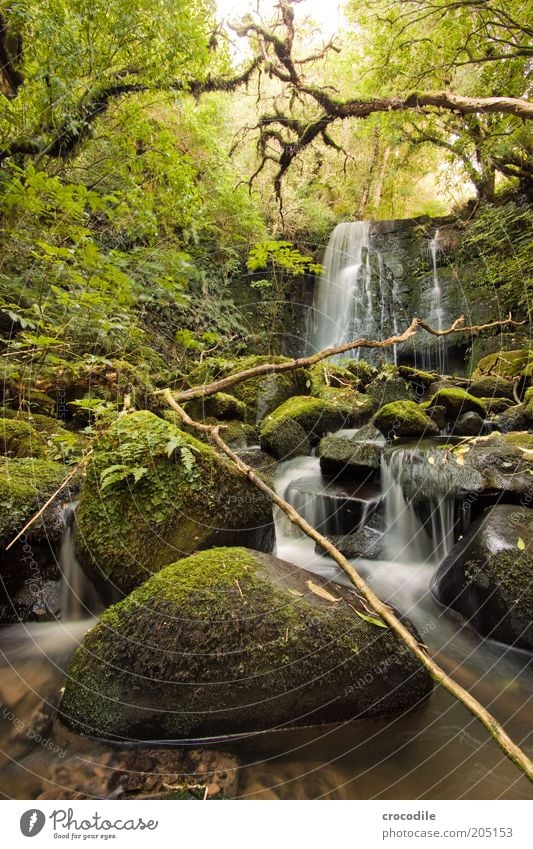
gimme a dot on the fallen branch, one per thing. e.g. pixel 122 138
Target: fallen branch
pixel 49 500
pixel 417 324
pixel 495 729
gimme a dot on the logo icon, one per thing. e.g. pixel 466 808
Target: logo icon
pixel 32 822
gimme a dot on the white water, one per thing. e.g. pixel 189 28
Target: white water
pixel 436 313
pixel 79 599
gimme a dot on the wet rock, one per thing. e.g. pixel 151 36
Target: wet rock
pixel 488 576
pixel 350 457
pixel 471 424
pixel 367 543
pixel 232 641
pixel 404 418
pixel 154 494
pixel 336 507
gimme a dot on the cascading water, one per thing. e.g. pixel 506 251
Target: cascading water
pixel 79 599
pixel 435 311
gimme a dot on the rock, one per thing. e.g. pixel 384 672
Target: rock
pixel 326 375
pixel 362 370
pixel 492 387
pixel 353 458
pixel 506 364
pixel 284 439
pixel 19 439
pixel 519 417
pixel 488 576
pixel 404 418
pixel 388 387
pixel 219 406
pixel 348 406
pixel 25 485
pixel 471 424
pixel 260 395
pixel 437 415
pixel 494 406
pixel 333 507
pixel 231 641
pixel 367 543
pixel 240 435
pixel 314 416
pixel 456 402
pixel 154 494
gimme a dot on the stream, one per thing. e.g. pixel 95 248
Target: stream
pixel 436 752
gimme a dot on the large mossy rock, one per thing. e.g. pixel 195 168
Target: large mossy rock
pixel 505 364
pixel 154 494
pixel 300 422
pixel 260 395
pixel 404 418
pixel 388 387
pixel 488 576
pixel 25 486
pixel 519 417
pixel 18 438
pixel 456 402
pixel 230 641
pixel 491 387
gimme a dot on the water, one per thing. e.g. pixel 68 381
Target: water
pixel 79 599
pixel 437 752
pixel 436 358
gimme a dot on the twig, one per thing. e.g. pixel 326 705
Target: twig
pixel 438 675
pixel 49 501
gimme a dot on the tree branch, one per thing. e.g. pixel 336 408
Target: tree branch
pixel 417 324
pixel 439 676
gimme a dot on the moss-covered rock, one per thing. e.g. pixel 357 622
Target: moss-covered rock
pixel 506 364
pixel 359 459
pixel 361 369
pixel 492 387
pixel 495 406
pixel 260 395
pixel 488 576
pixel 19 439
pixel 220 406
pixel 404 418
pixel 315 417
pixel 518 417
pixel 456 402
pixel 25 485
pixel 231 641
pixel 417 376
pixel 388 387
pixel 154 494
pixel 327 375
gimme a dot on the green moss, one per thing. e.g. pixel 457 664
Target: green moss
pixel 231 641
pixel 404 418
pixel 361 369
pixel 220 406
pixel 492 387
pixel 414 375
pixel 326 375
pixel 508 364
pixel 19 439
pixel 456 402
pixel 284 438
pixel 494 406
pixel 171 495
pixel 522 440
pixel 25 484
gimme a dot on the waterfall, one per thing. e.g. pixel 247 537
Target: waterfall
pixel 79 599
pixel 423 531
pixel 343 307
pixel 435 315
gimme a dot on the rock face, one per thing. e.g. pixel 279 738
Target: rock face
pixel 232 641
pixel 488 576
pixel 154 494
pixel 404 418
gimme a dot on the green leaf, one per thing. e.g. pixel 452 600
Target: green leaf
pixel 373 620
pixel 520 544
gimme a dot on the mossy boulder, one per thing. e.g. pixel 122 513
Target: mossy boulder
pixel 349 406
pixel 505 364
pixel 25 485
pixel 19 439
pixel 315 417
pixel 495 406
pixel 361 369
pixel 231 641
pixel 327 375
pixel 456 402
pixel 492 387
pixel 154 494
pixel 260 395
pixel 359 459
pixel 219 406
pixel 518 417
pixel 404 418
pixel 388 387
pixel 488 576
